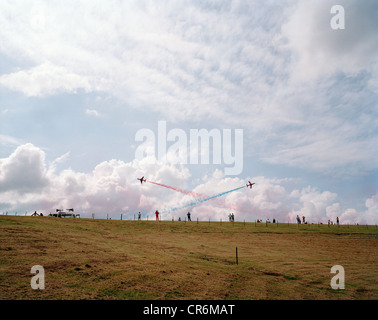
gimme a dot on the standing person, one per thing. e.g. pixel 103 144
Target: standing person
pixel 303 218
pixel 157 215
pixel 139 216
pixel 298 219
pixel 188 214
pixel 337 220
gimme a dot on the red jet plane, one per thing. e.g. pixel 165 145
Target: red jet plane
pixel 249 184
pixel 141 179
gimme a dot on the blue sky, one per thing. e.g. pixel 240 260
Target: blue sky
pixel 79 79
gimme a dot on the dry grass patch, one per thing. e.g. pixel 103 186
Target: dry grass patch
pixel 109 259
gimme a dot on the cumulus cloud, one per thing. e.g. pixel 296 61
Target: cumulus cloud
pixel 44 79
pixel 319 206
pixel 305 94
pixel 371 212
pixel 312 203
pixel 112 188
pixel 24 170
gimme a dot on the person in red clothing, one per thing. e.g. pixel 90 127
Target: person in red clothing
pixel 157 215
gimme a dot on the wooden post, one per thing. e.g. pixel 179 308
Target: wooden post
pixel 237 262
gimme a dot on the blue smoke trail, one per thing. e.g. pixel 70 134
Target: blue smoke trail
pixel 197 201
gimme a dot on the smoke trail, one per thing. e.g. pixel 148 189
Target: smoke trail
pixel 198 196
pixel 190 193
pixel 198 201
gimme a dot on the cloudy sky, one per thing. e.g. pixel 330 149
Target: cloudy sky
pixel 79 79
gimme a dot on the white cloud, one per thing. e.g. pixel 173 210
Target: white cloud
pixel 312 204
pixel 112 188
pixel 322 51
pixel 92 112
pixel 233 64
pixel 24 170
pixel 319 206
pixel 371 213
pixel 44 79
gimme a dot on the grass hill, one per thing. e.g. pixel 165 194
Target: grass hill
pixel 114 259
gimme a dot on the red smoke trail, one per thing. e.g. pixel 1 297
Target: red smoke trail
pixel 190 193
pixel 199 196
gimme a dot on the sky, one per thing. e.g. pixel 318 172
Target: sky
pixel 80 79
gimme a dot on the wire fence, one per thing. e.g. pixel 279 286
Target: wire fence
pixel 152 218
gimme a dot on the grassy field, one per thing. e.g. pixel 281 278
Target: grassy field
pixel 113 259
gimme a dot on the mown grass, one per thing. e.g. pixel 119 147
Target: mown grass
pixel 113 259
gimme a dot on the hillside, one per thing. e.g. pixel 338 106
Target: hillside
pixel 113 259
